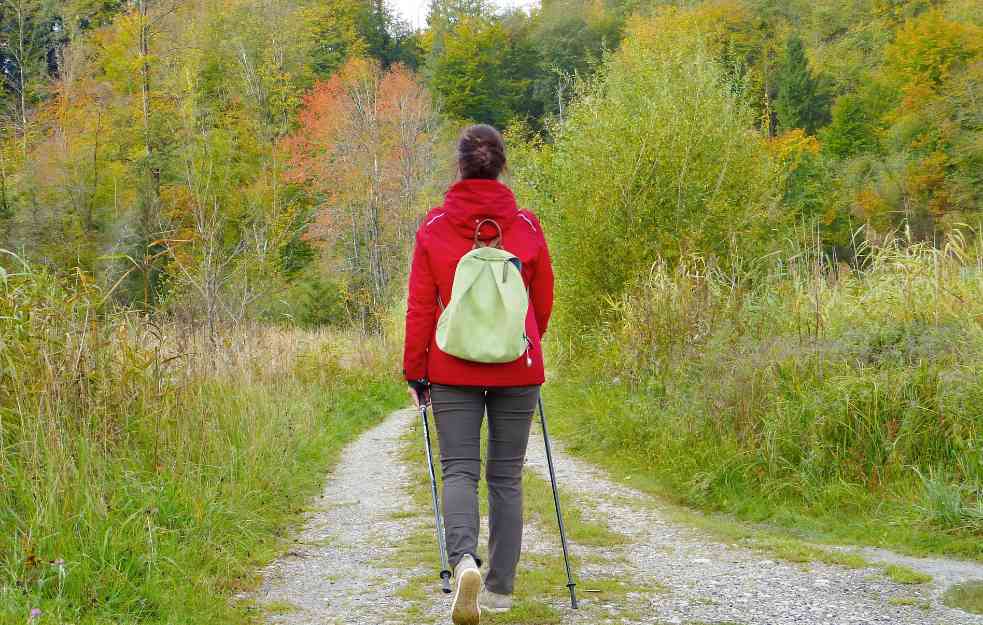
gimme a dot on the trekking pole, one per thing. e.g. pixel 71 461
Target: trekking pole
pixel 572 585
pixel 445 569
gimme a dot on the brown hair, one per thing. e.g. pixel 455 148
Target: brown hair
pixel 480 152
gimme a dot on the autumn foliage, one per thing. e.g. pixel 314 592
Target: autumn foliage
pixel 363 149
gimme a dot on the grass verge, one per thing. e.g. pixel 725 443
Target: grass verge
pixel 967 596
pixel 585 416
pixel 145 487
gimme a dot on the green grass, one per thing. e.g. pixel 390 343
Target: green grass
pixel 839 408
pixel 967 596
pixel 905 575
pixel 586 416
pixel 139 489
pixel 171 544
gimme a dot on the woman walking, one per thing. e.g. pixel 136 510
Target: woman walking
pixel 478 210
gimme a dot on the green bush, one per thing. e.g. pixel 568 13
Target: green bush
pixel 658 158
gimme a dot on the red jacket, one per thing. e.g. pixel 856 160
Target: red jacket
pixel 447 234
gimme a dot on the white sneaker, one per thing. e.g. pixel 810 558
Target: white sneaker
pixel 494 602
pixel 468 580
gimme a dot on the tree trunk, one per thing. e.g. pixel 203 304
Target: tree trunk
pixel 89 218
pixel 154 170
pixel 21 61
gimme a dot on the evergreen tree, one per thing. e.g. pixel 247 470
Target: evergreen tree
pixel 469 75
pixel 801 103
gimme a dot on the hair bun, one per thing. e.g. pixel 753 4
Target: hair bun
pixel 483 155
pixel 481 152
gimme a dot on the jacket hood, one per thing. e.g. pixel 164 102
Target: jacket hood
pixel 469 201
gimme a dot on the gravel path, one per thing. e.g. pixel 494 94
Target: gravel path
pixel 712 582
pixel 337 573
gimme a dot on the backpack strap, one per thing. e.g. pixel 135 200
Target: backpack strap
pixel 496 242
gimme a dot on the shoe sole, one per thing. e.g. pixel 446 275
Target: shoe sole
pixel 466 610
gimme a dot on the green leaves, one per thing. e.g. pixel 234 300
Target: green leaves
pixel 658 160
pixel 468 75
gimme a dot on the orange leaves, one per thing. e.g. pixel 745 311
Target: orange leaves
pixel 349 123
pixel 929 48
pixel 363 151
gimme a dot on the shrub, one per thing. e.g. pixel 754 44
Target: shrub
pixel 658 158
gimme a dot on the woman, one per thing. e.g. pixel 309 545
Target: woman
pixel 462 391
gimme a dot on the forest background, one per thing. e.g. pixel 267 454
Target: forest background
pixel 764 215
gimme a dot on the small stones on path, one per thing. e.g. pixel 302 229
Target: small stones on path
pixel 344 567
pixel 712 582
pixel 337 574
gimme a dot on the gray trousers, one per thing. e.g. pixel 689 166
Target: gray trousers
pixel 459 411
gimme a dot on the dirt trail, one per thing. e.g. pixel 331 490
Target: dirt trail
pixel 337 573
pixel 340 572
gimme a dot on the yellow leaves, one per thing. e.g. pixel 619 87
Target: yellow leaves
pixel 426 42
pixel 929 48
pixel 789 148
pixel 118 50
pixel 926 179
pixel 869 204
pixel 714 22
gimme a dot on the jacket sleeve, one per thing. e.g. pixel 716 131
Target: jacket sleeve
pixel 421 313
pixel 541 289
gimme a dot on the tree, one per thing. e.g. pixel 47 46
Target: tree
pixel 633 177
pixel 567 40
pixel 929 49
pixel 351 28
pixel 468 76
pixel 25 29
pixel 857 121
pixel 365 149
pixel 801 102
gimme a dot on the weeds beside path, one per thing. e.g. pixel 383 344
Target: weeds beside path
pixel 147 471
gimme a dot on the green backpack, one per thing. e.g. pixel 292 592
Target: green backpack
pixel 485 320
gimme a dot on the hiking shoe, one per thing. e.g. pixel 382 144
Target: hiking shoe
pixel 494 602
pixel 468 580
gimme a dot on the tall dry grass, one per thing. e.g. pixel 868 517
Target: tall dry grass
pixel 147 468
pixel 803 391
